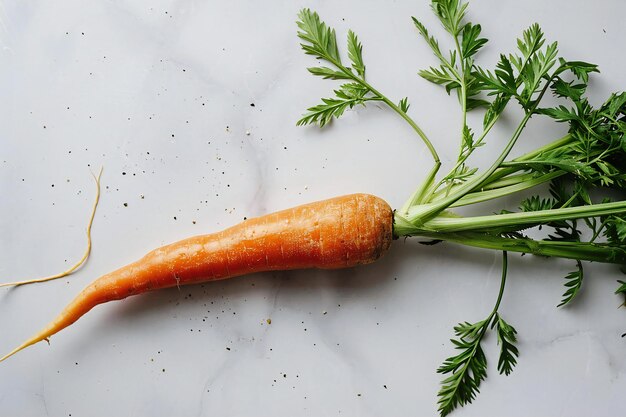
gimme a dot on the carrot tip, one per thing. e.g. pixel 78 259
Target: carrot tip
pixel 11 353
pixel 17 349
pixel 43 335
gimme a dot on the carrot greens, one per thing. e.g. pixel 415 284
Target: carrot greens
pixel 469 367
pixel 321 42
pixel 578 218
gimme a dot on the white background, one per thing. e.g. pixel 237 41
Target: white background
pixel 160 94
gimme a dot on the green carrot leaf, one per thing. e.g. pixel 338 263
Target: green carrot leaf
pixel 355 53
pixel 404 104
pixel 328 73
pixel 536 203
pixel 580 69
pixel 451 14
pixel 507 337
pixel 532 40
pixel 431 41
pixel 622 290
pixel 468 368
pixel 346 97
pixel 573 283
pixel 320 40
pixel 560 113
pixel 470 41
pixel 569 90
pixel 494 110
pixel 441 76
pixel 501 81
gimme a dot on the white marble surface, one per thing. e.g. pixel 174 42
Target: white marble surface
pixel 160 93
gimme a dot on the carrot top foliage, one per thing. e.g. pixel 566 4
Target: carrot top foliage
pixel 576 174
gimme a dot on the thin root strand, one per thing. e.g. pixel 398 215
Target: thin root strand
pixel 82 260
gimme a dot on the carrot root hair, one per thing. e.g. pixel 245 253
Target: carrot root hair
pixel 86 254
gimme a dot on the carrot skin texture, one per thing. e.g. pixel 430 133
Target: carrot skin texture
pixel 341 232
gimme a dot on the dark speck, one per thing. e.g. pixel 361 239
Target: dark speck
pixel 251 104
pixel 125 204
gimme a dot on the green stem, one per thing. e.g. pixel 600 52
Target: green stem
pixel 546 148
pixel 507 181
pixel 422 190
pixel 586 251
pixel 502 284
pixel 515 180
pixel 486 130
pixel 480 196
pixel 519 220
pixel 500 173
pixel 410 121
pixel 391 104
pixel 463 91
pixel 461 160
pixel 422 213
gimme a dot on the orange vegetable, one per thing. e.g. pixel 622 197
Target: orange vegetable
pixel 338 233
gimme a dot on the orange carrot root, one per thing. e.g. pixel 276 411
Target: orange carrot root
pixel 338 233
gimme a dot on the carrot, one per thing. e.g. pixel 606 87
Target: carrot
pixel 338 233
